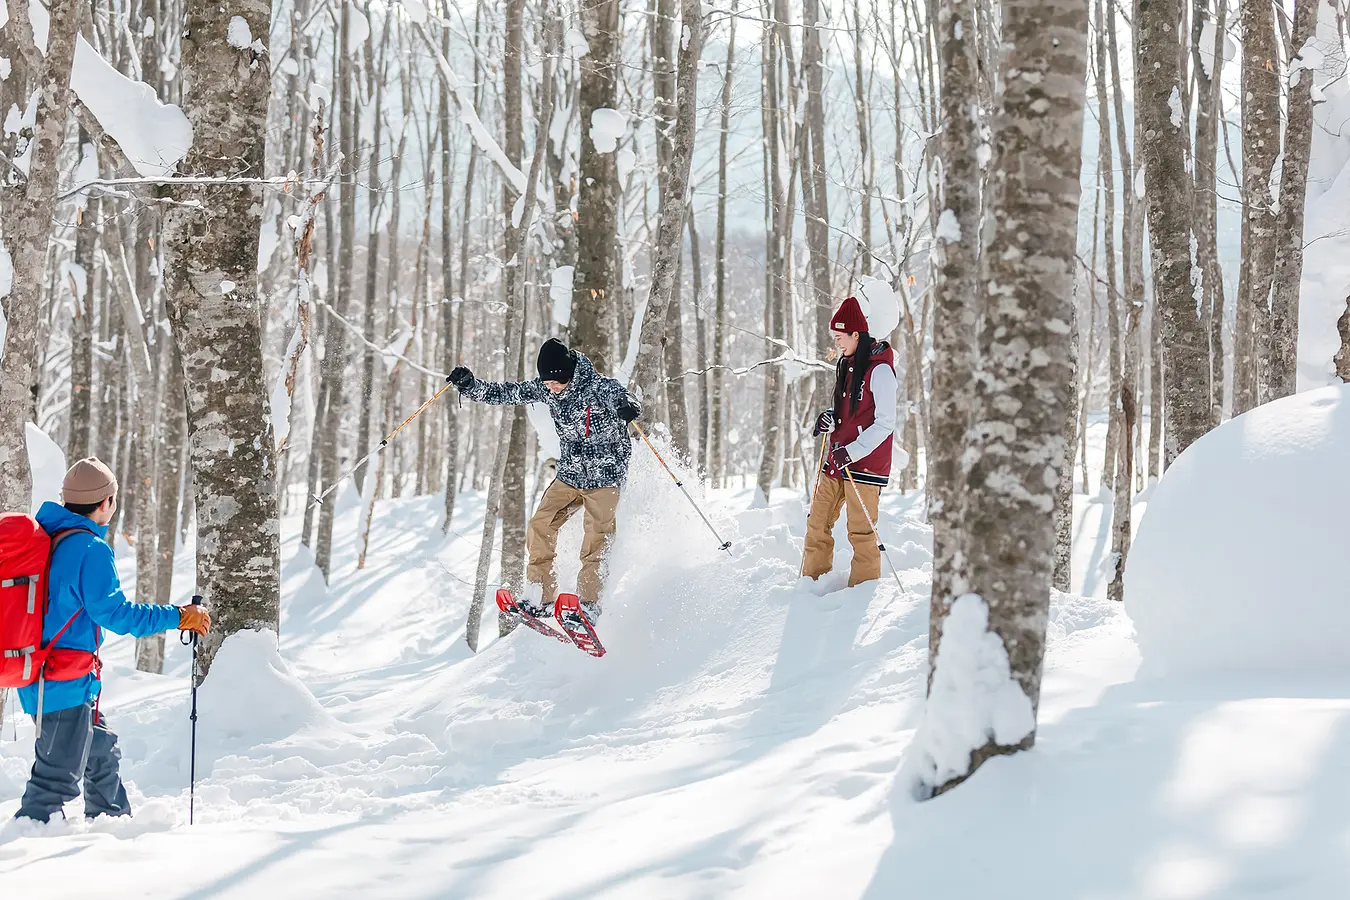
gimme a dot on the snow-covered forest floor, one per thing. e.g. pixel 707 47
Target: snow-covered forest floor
pixel 741 739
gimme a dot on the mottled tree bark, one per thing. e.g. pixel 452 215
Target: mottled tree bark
pixel 674 203
pixel 1185 343
pixel 169 469
pixel 1062 577
pixel 718 453
pixel 26 233
pixel 1342 358
pixel 595 285
pixel 775 273
pixel 81 331
pixel 1204 190
pixel 335 334
pixel 1288 272
pixel 1260 148
pixel 218 331
pixel 955 310
pixel 1022 389
pixel 513 476
pixel 815 193
pixel 369 386
pixel 450 346
pixel 515 336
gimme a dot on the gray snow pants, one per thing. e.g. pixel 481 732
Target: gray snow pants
pixel 76 744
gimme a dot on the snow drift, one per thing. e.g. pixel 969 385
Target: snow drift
pixel 1239 562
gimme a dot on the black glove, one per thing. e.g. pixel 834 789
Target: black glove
pixel 628 410
pixel 461 377
pixel 826 423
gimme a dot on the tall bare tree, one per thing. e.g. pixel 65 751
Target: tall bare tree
pixel 1288 272
pixel 26 234
pixel 1260 148
pixel 211 287
pixel 674 204
pixel 1163 148
pixel 956 305
pixel 595 285
pixel 1023 388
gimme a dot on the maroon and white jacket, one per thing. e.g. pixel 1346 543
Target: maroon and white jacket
pixel 866 431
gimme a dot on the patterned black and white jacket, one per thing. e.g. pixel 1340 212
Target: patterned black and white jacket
pixel 595 443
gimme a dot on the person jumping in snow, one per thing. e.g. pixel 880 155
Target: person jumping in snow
pixel 85 599
pixel 591 413
pixel 860 427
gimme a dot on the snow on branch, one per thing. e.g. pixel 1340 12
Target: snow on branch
pixel 464 100
pixel 154 136
pixel 282 182
pixel 787 360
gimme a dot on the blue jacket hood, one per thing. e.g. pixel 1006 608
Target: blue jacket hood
pixel 54 517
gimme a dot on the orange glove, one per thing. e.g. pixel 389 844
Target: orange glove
pixel 194 618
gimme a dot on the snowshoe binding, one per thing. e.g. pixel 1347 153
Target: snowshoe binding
pixel 576 620
pixel 507 604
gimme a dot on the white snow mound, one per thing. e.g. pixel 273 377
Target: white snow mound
pixel 974 698
pixel 251 697
pixel 1239 562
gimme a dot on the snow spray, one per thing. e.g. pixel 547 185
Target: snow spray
pixel 722 545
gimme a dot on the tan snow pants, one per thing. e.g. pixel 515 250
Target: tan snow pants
pixel 832 494
pixel 558 505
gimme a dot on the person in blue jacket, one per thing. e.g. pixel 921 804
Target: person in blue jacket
pixel 74 742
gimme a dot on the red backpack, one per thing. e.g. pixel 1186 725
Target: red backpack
pixel 25 564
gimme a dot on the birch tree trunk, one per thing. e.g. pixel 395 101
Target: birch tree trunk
pixel 1208 113
pixel 1023 388
pixel 1157 108
pixel 718 400
pixel 26 233
pixel 450 346
pixel 169 470
pixel 515 336
pixel 815 193
pixel 1260 147
pixel 218 328
pixel 1062 578
pixel 149 650
pixel 513 476
pixel 1289 229
pixel 335 335
pixel 595 286
pixel 955 309
pixel 82 331
pixel 674 202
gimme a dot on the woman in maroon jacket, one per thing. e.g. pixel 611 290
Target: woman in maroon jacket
pixel 860 426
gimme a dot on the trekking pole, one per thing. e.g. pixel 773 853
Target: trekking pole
pixel 857 495
pixel 820 472
pixel 722 545
pixel 319 498
pixel 190 637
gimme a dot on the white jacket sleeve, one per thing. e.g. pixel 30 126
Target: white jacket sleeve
pixel 884 390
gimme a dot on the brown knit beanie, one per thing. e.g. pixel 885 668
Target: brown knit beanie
pixel 88 481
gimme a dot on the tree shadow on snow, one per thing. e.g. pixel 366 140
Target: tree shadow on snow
pixel 1212 790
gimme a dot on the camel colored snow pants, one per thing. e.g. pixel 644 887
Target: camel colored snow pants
pixel 558 505
pixel 832 494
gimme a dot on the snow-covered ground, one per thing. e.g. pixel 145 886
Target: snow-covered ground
pixel 741 739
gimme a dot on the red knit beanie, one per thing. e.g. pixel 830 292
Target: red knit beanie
pixel 849 317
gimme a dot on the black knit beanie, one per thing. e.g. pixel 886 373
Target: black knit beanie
pixel 556 362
